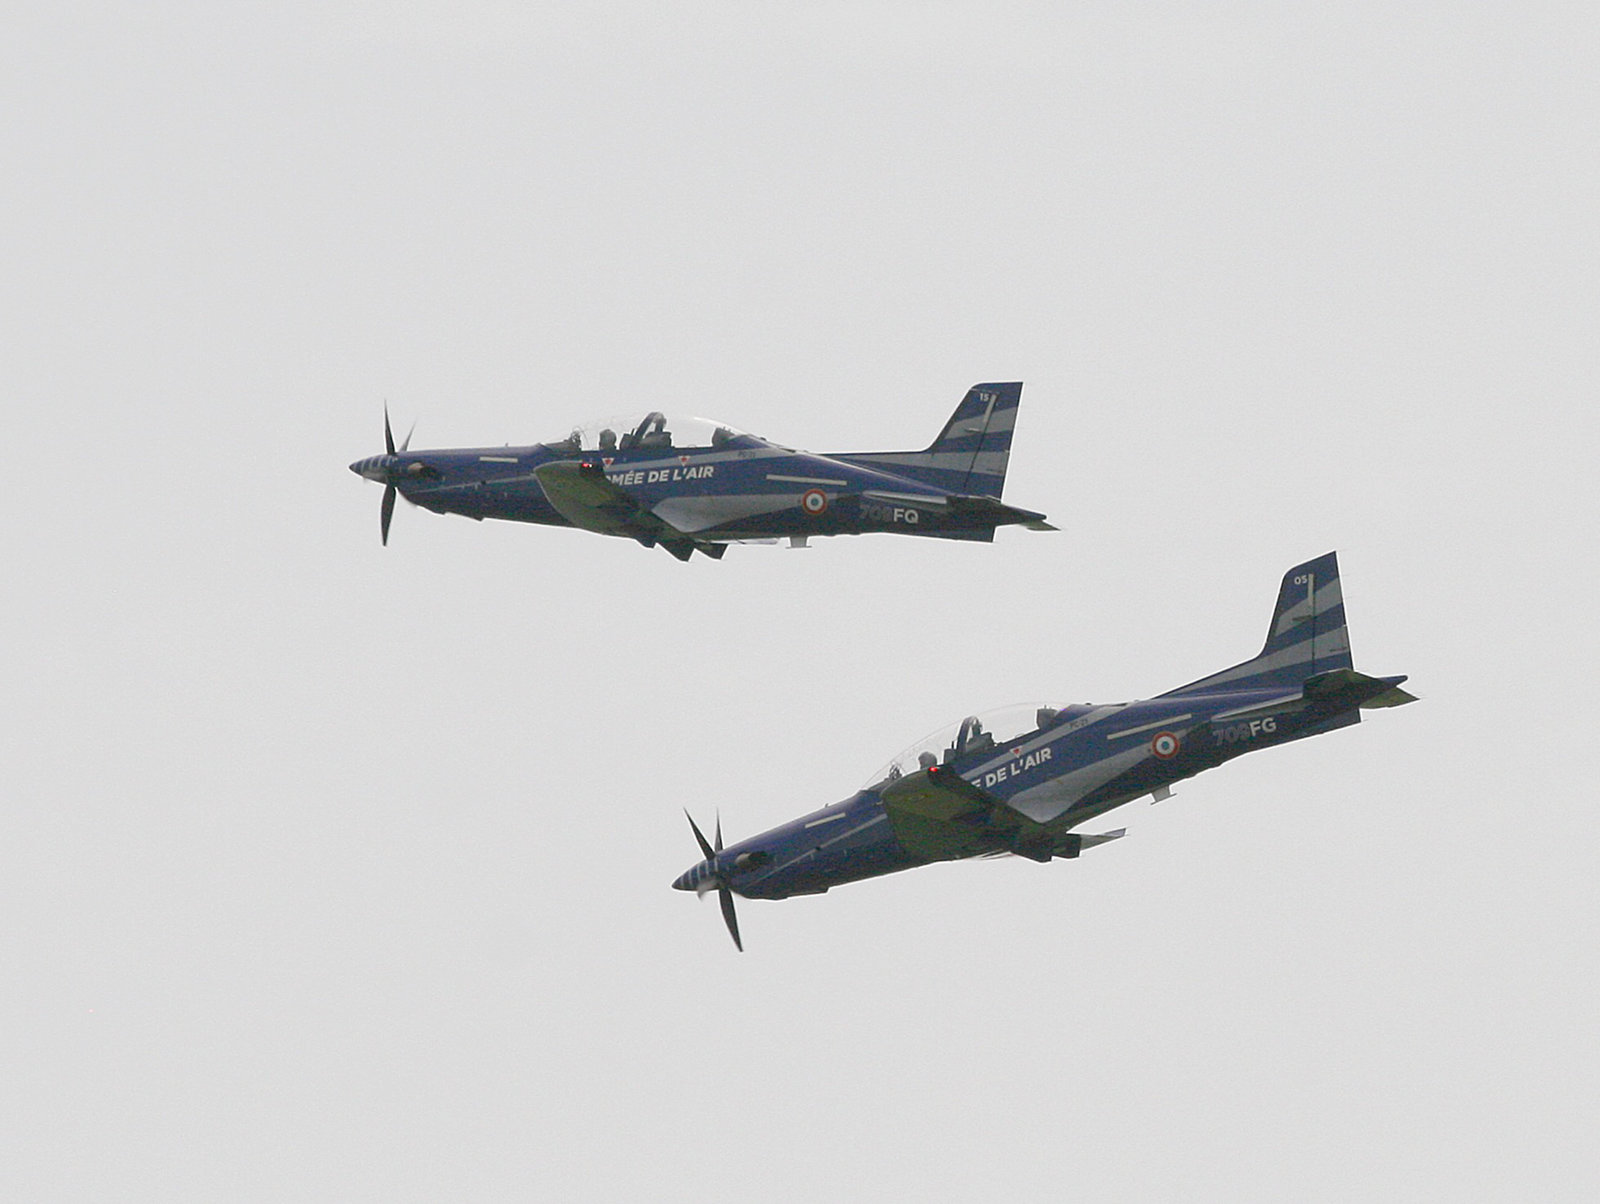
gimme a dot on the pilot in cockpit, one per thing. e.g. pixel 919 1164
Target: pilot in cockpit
pixel 978 740
pixel 970 740
pixel 657 435
pixel 608 440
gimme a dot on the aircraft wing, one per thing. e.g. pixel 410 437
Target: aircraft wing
pixel 940 815
pixel 581 494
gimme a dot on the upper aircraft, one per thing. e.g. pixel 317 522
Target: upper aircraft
pixel 691 485
pixel 1020 781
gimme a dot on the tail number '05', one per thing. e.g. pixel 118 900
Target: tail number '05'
pixel 1234 733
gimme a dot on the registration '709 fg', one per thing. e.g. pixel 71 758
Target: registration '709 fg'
pixel 1022 781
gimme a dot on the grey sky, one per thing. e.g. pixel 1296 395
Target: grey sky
pixel 338 872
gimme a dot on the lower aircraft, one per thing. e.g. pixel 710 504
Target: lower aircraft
pixel 695 486
pixel 1018 782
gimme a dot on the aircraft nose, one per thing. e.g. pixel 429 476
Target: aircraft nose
pixel 373 468
pixel 691 879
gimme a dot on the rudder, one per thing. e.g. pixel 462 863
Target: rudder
pixel 1307 634
pixel 972 452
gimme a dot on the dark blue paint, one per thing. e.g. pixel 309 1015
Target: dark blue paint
pixel 1029 791
pixel 696 498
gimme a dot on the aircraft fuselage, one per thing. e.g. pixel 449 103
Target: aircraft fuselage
pixel 1022 783
pixel 693 486
pixel 1083 762
pixel 747 490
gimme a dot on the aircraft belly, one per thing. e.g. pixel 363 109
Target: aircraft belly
pixel 1046 801
pixel 693 515
pixel 811 856
pixel 816 873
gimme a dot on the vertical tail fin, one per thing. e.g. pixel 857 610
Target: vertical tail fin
pixel 972 451
pixel 1307 635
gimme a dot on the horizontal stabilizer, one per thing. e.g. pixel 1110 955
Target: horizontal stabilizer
pixel 1337 688
pixel 1369 692
pixel 1074 843
pixel 970 509
pixel 1394 696
pixel 1090 841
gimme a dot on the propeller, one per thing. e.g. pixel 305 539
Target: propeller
pixel 724 895
pixel 386 512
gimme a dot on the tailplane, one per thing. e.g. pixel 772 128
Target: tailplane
pixel 970 454
pixel 1307 636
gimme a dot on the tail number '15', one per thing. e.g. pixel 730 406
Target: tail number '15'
pixel 1236 732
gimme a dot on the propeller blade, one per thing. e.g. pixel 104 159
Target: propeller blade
pixel 388 435
pixel 406 446
pixel 700 836
pixel 725 897
pixel 387 512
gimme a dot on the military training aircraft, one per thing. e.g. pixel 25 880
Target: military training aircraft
pixel 1018 782
pixel 692 485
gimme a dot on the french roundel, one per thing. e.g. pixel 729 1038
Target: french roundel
pixel 1164 745
pixel 813 501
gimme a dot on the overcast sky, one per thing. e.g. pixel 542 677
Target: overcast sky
pixel 337 872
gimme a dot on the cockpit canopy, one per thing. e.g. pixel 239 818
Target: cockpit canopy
pixel 974 735
pixel 654 431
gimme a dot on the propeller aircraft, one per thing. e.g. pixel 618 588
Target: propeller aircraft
pixel 1021 781
pixel 694 486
